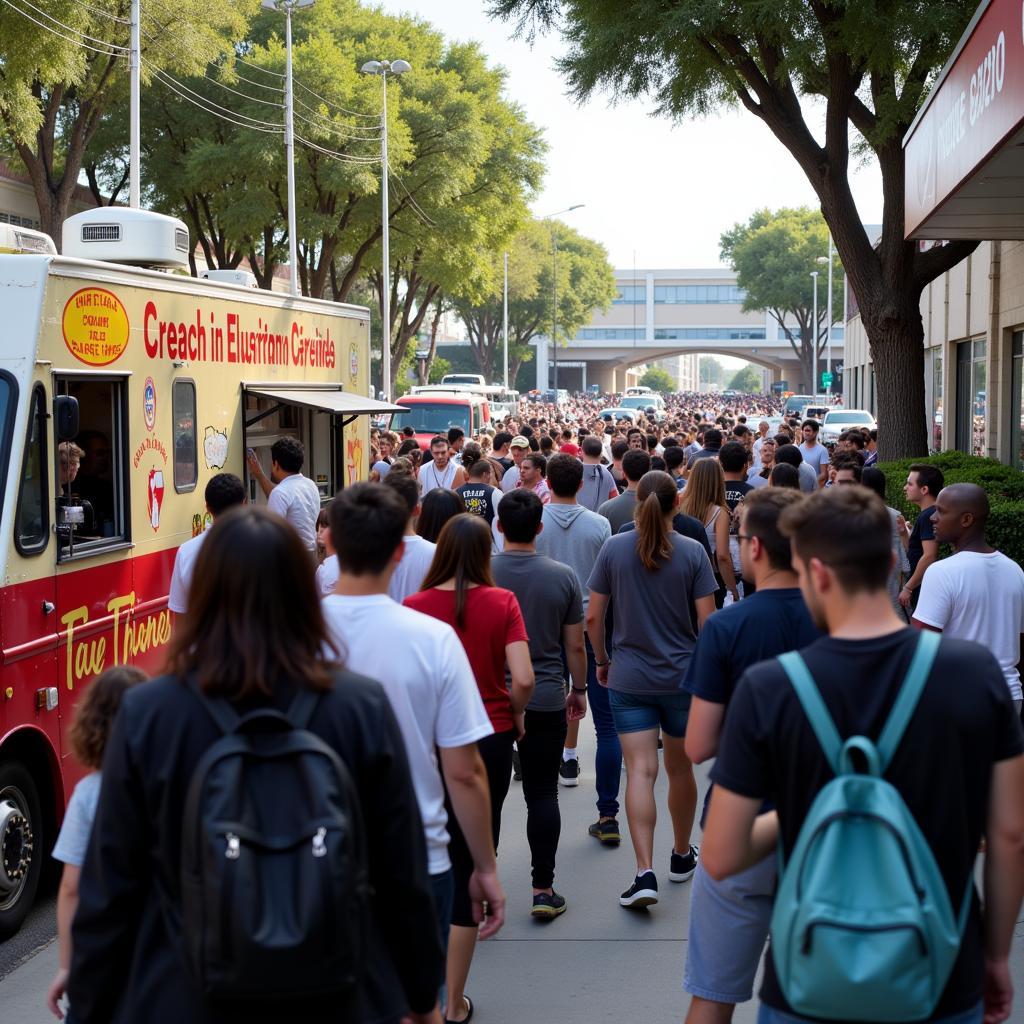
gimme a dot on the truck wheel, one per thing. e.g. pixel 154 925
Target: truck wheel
pixel 21 846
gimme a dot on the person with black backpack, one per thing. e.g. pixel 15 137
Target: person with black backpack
pixel 888 753
pixel 257 852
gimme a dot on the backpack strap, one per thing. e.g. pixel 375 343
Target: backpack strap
pixel 814 707
pixel 220 710
pixel 908 697
pixel 301 709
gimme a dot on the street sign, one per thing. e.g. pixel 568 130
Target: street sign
pixel 780 385
pixel 826 379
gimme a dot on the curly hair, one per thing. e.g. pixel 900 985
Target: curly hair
pixel 96 710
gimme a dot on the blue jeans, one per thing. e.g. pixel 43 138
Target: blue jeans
pixel 608 762
pixel 769 1015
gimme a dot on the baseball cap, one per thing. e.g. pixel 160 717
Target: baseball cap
pixel 519 442
pixel 569 449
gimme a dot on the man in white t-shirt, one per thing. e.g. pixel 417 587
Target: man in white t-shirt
pixel 290 494
pixel 224 491
pixel 978 593
pixel 519 448
pixel 418 553
pixel 426 675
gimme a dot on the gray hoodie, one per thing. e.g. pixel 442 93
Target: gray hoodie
pixel 573 535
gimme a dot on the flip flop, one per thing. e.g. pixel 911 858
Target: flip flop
pixel 469 1014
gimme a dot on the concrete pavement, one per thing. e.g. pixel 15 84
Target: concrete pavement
pixel 595 963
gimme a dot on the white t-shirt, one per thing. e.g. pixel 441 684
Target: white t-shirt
pixel 975 596
pixel 297 499
pixel 327 575
pixel 431 477
pixel 510 479
pixel 181 577
pixel 425 673
pixel 816 456
pixel 412 569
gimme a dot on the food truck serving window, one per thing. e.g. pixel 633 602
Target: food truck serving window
pixel 8 403
pixel 32 527
pixel 92 470
pixel 186 453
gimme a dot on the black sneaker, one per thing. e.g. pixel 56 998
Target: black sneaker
pixel 517 768
pixel 682 866
pixel 546 908
pixel 642 893
pixel 607 830
pixel 569 772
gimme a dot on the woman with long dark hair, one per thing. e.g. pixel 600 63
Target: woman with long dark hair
pixel 252 639
pixel 436 508
pixel 651 575
pixel 704 499
pixel 460 590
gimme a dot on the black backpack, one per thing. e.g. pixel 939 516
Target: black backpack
pixel 275 890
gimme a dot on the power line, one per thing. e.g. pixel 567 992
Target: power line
pixel 215 108
pixel 70 28
pixel 344 158
pixel 416 206
pixel 325 125
pixel 110 16
pixel 113 51
pixel 336 106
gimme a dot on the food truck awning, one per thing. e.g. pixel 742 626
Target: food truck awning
pixel 345 403
pixel 965 150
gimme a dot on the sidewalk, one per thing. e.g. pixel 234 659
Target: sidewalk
pixel 594 964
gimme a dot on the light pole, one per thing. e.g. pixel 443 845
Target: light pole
pixel 289 131
pixel 504 320
pixel 554 291
pixel 814 336
pixel 385 68
pixel 828 329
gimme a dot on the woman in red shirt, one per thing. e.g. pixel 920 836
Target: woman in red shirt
pixel 459 590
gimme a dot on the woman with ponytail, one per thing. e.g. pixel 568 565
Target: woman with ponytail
pixel 651 576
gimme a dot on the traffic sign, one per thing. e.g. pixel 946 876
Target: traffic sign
pixel 780 385
pixel 826 379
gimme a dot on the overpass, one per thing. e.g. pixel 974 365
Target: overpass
pixel 661 313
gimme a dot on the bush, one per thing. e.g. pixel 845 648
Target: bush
pixel 1003 484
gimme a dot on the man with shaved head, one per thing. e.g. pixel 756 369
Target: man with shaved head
pixel 978 593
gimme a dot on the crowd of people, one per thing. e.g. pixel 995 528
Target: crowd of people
pixel 446 628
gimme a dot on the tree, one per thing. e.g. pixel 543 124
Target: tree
pixel 746 380
pixel 657 379
pixel 870 63
pixel 773 255
pixel 711 371
pixel 585 282
pixel 56 85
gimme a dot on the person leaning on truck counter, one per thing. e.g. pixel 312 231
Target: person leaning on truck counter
pixel 290 494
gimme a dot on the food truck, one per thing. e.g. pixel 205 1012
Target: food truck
pixel 147 382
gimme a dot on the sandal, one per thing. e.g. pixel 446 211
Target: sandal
pixel 469 1012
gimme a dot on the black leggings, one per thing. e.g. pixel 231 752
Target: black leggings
pixel 496 753
pixel 540 755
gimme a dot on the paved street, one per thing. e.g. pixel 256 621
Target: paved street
pixel 596 963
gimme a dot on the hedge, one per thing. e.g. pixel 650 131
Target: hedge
pixel 1003 484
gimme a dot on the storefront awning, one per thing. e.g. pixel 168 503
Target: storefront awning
pixel 965 150
pixel 345 403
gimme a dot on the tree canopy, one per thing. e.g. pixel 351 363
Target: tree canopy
pixel 773 254
pixel 657 379
pixel 746 379
pixel 868 64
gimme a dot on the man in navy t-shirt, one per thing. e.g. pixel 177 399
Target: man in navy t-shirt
pixel 729 919
pixel 959 766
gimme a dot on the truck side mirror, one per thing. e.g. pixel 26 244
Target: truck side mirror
pixel 65 416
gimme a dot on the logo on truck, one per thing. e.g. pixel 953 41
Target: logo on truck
pixel 95 326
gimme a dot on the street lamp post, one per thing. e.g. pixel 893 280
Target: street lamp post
pixel 504 320
pixel 829 259
pixel 289 132
pixel 385 68
pixel 554 290
pixel 814 336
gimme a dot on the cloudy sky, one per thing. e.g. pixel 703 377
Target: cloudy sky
pixel 654 193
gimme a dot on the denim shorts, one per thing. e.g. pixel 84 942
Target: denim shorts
pixel 637 712
pixel 729 923
pixel 769 1015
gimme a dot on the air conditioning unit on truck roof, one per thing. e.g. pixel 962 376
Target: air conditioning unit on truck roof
pixel 138 238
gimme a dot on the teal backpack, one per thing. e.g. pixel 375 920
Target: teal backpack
pixel 862 926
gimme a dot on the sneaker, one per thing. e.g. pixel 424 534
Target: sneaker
pixel 642 893
pixel 546 908
pixel 682 866
pixel 607 830
pixel 569 772
pixel 517 767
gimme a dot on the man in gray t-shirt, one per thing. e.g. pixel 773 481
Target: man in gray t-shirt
pixel 619 511
pixel 552 604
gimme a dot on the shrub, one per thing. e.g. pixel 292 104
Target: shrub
pixel 1003 484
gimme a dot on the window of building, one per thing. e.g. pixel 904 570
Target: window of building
pixel 13 218
pixel 186 453
pixel 92 471
pixel 631 295
pixel 698 294
pixel 934 398
pixel 1017 402
pixel 709 333
pixel 971 397
pixel 32 526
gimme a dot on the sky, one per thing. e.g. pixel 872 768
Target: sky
pixel 657 195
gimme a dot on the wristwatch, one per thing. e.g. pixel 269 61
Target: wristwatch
pixel 576 689
pixel 601 664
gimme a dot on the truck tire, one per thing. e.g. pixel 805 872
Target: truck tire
pixel 21 846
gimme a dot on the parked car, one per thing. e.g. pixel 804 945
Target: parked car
pixel 839 420
pixel 621 413
pixel 432 414
pixel 650 404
